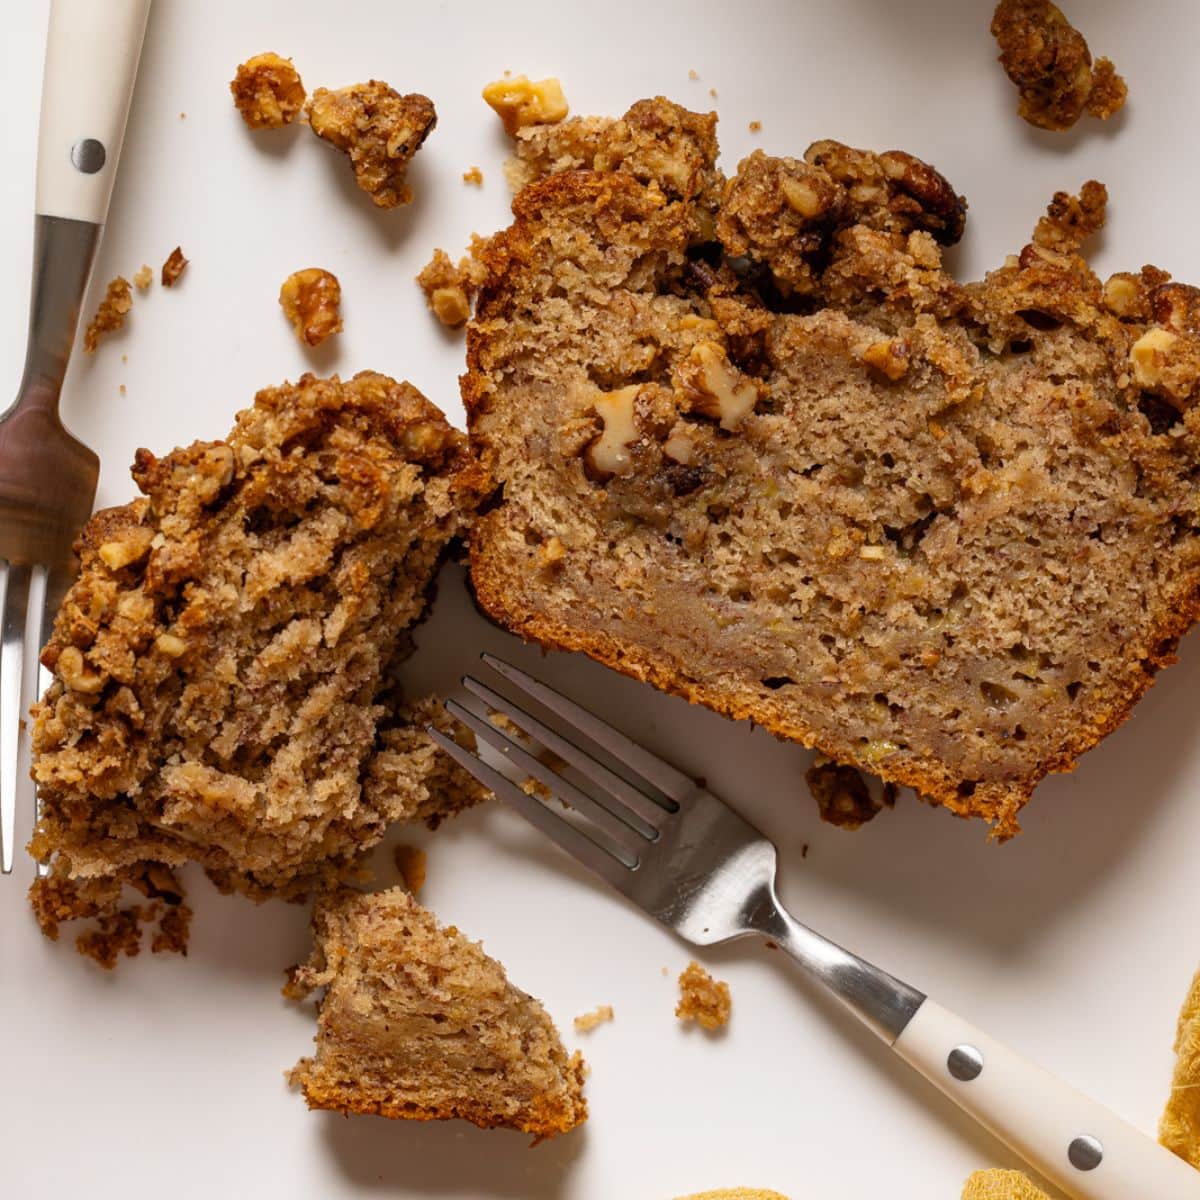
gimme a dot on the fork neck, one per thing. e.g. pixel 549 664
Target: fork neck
pixel 63 253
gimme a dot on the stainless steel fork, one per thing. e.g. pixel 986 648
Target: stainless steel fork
pixel 47 477
pixel 690 861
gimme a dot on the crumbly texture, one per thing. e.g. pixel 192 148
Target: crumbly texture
pixel 1179 1129
pixel 110 316
pixel 519 101
pixel 473 176
pixel 735 1194
pixel 379 130
pixel 417 1022
pixel 1049 61
pixel 267 91
pixel 946 533
pixel 410 862
pixel 449 289
pixel 173 267
pixel 224 668
pixel 702 998
pixel 599 1015
pixel 843 796
pixel 143 277
pixel 1001 1185
pixel 311 300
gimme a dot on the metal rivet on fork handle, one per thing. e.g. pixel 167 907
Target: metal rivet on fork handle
pixel 1085 1152
pixel 964 1063
pixel 88 155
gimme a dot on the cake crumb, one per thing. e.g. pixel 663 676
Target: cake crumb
pixel 121 389
pixel 693 73
pixel 124 358
pixel 183 116
pixel 410 862
pixel 756 127
pixel 473 176
pixel 520 101
pixel 712 92
pixel 174 266
pixel 378 130
pixel 589 1020
pixel 310 299
pixel 449 289
pixel 267 91
pixel 143 278
pixel 111 314
pixel 1049 61
pixel 702 998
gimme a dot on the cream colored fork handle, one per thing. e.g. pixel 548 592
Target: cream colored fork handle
pixel 92 51
pixel 1077 1144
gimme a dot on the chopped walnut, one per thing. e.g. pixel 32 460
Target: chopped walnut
pixel 111 314
pixel 267 91
pixel 519 101
pixel 713 386
pixel 1049 61
pixel 702 998
pixel 310 300
pixel 610 454
pixel 889 357
pixel 174 266
pixel 1168 364
pixel 379 129
pixel 842 795
pixel 448 289
pixel 473 176
pixel 589 1021
pixel 410 862
pixel 143 278
pixel 553 552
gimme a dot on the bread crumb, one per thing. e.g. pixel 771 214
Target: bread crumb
pixel 756 127
pixel 712 92
pixel 378 130
pixel 310 300
pixel 121 389
pixel 693 73
pixel 267 91
pixel 174 266
pixel 124 358
pixel 410 862
pixel 473 176
pixel 143 278
pixel 588 1021
pixel 1179 1129
pixel 702 998
pixel 1001 1185
pixel 111 314
pixel 449 290
pixel 183 116
pixel 520 101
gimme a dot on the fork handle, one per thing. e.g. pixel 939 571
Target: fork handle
pixel 1077 1144
pixel 92 51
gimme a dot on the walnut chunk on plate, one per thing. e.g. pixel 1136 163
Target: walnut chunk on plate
pixel 267 91
pixel 310 300
pixel 519 101
pixel 379 129
pixel 173 267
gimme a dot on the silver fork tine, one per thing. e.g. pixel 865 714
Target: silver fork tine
pixel 583 846
pixel 673 784
pixel 648 809
pixel 615 822
pixel 46 592
pixel 12 663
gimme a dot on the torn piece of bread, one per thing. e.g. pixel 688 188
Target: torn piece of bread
pixel 417 1022
pixel 224 665
pixel 379 130
pixel 796 472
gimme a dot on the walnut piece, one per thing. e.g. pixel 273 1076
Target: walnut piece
pixel 519 101
pixel 890 357
pixel 702 998
pixel 609 454
pixel 111 314
pixel 713 386
pixel 449 290
pixel 1049 61
pixel 173 267
pixel 143 278
pixel 379 129
pixel 310 300
pixel 267 91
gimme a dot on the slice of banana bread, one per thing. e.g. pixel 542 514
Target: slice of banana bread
pixel 222 662
pixel 417 1022
pixel 771 456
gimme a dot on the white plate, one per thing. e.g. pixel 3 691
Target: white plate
pixel 1074 943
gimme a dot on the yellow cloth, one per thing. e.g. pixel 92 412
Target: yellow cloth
pixel 1001 1185
pixel 1179 1129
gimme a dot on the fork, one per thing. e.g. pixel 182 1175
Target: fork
pixel 690 861
pixel 47 477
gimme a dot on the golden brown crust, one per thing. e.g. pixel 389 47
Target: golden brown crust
pixel 267 91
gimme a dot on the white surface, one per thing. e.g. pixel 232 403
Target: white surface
pixel 1074 944
pixel 1041 1117
pixel 91 61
